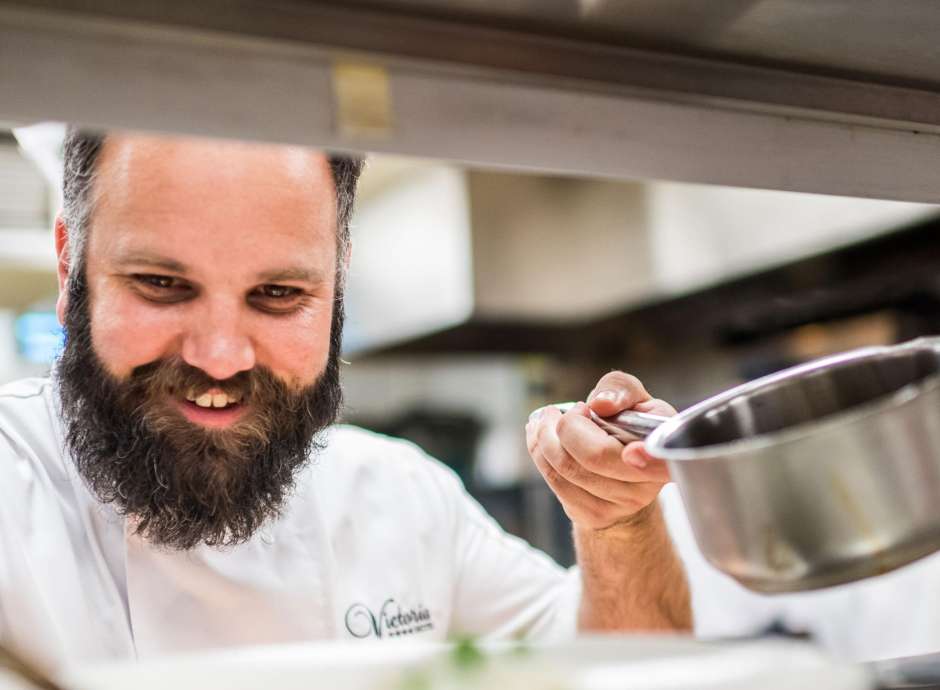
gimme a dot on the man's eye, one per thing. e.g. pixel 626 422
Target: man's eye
pixel 277 299
pixel 161 288
pixel 162 282
pixel 277 291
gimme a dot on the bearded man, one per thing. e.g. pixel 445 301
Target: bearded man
pixel 180 484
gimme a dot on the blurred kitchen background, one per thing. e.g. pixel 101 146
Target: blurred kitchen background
pixel 478 295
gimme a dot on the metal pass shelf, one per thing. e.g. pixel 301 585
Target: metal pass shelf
pixel 830 96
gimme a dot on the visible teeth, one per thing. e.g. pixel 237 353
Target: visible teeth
pixel 214 398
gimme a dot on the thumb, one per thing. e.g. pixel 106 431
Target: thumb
pixel 607 402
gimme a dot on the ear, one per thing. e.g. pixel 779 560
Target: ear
pixel 63 264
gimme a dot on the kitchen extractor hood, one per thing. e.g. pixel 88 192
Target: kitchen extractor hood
pixel 441 247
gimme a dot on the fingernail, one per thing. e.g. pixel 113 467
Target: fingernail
pixel 607 395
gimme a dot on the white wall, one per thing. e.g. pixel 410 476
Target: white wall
pixel 411 269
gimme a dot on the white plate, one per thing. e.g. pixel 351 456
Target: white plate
pixel 595 663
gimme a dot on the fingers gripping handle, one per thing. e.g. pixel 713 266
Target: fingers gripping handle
pixel 625 427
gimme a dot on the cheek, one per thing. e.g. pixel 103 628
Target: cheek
pixel 297 348
pixel 126 334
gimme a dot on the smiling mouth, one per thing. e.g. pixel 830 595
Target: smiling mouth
pixel 212 408
pixel 214 398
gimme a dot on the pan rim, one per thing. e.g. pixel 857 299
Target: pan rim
pixel 905 395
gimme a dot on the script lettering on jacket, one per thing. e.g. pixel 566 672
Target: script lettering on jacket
pixel 391 620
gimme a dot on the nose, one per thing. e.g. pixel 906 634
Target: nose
pixel 217 342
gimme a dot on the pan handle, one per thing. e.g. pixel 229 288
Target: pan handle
pixel 625 427
pixel 930 341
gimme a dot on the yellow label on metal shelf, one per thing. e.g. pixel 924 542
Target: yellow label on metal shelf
pixel 363 100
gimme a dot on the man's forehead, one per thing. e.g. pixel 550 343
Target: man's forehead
pixel 184 197
pixel 131 155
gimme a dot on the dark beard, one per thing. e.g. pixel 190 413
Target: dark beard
pixel 181 483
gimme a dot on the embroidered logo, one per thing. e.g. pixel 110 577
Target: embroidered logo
pixel 392 620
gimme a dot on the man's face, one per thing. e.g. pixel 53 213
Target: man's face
pixel 220 254
pixel 200 332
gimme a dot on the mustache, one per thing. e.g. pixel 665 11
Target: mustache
pixel 175 378
pixel 151 389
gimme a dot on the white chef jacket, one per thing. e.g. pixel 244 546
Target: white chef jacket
pixel 378 541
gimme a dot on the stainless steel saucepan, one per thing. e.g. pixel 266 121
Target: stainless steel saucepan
pixel 821 474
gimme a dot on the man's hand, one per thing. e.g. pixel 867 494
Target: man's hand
pixel 599 481
pixel 632 578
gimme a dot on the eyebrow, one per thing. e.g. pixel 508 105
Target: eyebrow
pixel 154 260
pixel 295 273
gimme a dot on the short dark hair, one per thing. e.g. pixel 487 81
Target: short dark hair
pixel 81 151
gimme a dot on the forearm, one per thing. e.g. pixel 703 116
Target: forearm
pixel 632 577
